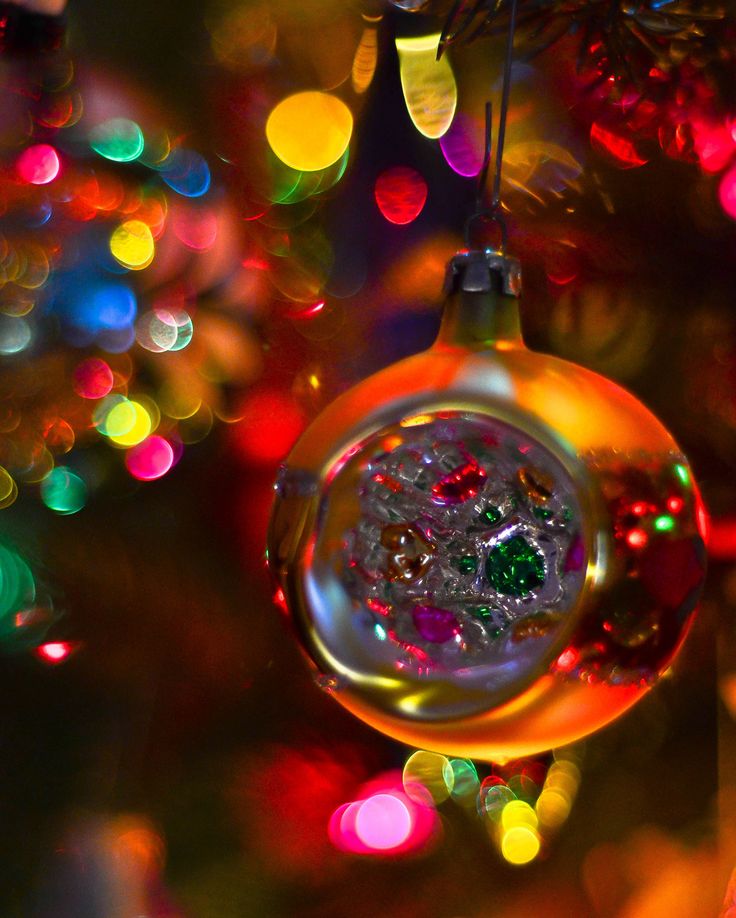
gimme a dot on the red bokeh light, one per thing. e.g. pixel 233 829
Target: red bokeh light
pixel 384 821
pixel 270 423
pixel 400 193
pixel 54 652
pixel 39 164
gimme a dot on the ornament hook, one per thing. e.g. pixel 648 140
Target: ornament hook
pixel 493 213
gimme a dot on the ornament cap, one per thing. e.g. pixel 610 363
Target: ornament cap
pixel 483 271
pixel 482 308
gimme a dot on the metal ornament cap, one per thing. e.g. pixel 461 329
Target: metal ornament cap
pixel 487 551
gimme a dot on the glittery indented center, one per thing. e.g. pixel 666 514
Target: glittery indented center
pixel 467 529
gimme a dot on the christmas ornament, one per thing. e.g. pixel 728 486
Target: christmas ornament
pixel 487 551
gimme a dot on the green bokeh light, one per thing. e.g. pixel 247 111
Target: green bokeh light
pixel 63 491
pixel 118 139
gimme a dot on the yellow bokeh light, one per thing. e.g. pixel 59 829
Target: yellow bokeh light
pixel 520 845
pixel 552 807
pixel 309 130
pixel 8 489
pixel 138 430
pixel 132 244
pixel 428 771
pixel 518 813
pixel 429 84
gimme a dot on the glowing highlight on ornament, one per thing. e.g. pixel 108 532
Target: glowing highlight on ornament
pixel 682 473
pixel 39 164
pixel 54 652
pixel 309 131
pixel 428 84
pixel 664 523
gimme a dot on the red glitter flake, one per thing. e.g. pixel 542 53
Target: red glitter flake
pixel 377 606
pixel 463 483
pixel 391 483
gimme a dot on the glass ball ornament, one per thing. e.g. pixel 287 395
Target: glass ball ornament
pixel 486 551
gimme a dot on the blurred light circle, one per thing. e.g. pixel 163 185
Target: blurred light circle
pixel 520 845
pixel 186 172
pixel 114 416
pixel 383 822
pixel 727 192
pixel 427 772
pixel 15 335
pixel 132 244
pixel 38 164
pixel 270 423
pixel 63 491
pixel 92 378
pixel 157 331
pixel 8 489
pixel 150 459
pixel 309 130
pixel 518 813
pixel 462 146
pixel 118 139
pixel 133 422
pixel 400 194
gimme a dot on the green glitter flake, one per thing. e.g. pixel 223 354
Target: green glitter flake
pixel 515 567
pixel 491 515
pixel 682 473
pixel 486 615
pixel 468 564
pixel 542 513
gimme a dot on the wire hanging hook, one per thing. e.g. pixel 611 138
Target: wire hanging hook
pixel 493 213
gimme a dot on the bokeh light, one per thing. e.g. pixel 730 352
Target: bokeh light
pixel 150 459
pixel 38 164
pixel 63 491
pixel 428 84
pixel 462 146
pixel 428 773
pixel 400 194
pixel 270 423
pixel 92 378
pixel 383 822
pixel 128 424
pixel 186 172
pixel 309 131
pixel 132 244
pixel 520 845
pixel 118 139
pixel 727 192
